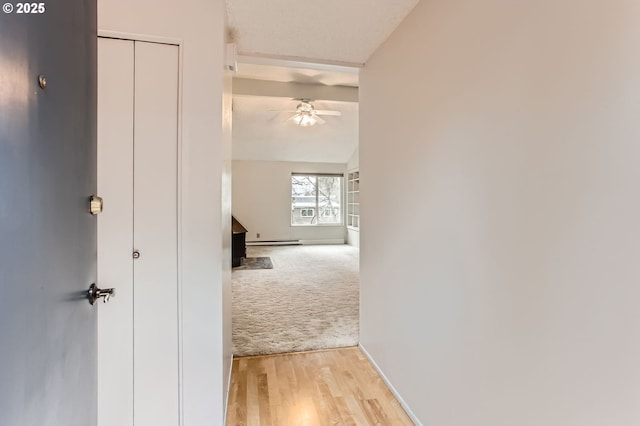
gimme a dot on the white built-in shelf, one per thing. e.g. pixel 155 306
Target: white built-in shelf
pixel 353 200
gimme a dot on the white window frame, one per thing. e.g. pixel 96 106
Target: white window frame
pixel 317 206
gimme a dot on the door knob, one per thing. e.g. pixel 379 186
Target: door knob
pixel 96 293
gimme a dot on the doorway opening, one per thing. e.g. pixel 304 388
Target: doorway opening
pixel 295 158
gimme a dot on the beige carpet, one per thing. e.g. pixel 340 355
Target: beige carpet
pixel 309 300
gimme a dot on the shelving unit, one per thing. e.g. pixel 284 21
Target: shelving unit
pixel 353 200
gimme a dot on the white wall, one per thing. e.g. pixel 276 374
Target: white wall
pixel 262 200
pixel 225 226
pixel 199 25
pixel 503 138
pixel 354 160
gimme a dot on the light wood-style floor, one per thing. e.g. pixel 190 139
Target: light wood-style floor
pixel 329 387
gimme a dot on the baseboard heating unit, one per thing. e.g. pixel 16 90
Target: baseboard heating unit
pixel 274 243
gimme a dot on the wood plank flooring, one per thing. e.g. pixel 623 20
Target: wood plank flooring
pixel 320 388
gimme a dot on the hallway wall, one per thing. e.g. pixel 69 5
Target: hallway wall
pixel 204 212
pixel 499 256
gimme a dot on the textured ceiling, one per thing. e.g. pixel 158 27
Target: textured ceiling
pixel 312 49
pixel 323 30
pixel 297 75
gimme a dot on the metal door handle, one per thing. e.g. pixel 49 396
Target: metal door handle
pixel 96 293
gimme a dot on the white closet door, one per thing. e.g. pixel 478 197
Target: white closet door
pixel 155 293
pixel 115 231
pixel 138 365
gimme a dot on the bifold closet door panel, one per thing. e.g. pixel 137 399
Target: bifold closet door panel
pixel 115 231
pixel 155 235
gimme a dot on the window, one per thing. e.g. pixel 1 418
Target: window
pixel 315 199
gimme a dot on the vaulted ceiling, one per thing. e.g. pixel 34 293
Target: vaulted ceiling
pixel 303 49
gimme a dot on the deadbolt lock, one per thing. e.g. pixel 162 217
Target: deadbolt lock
pixel 95 205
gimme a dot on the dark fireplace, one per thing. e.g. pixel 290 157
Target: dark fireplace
pixel 238 242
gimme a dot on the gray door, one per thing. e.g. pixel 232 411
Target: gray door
pixel 48 362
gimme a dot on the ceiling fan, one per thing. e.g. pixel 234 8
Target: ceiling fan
pixel 306 115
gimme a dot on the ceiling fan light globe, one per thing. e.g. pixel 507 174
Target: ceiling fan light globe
pixel 304 119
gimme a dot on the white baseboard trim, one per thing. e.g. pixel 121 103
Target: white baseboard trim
pixel 226 399
pixel 393 390
pixel 316 242
pixel 295 242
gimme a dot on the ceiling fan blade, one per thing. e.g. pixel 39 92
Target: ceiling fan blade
pixel 290 118
pixel 327 112
pixel 319 120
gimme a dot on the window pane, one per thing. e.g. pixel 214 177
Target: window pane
pixel 303 200
pixel 315 200
pixel 329 196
